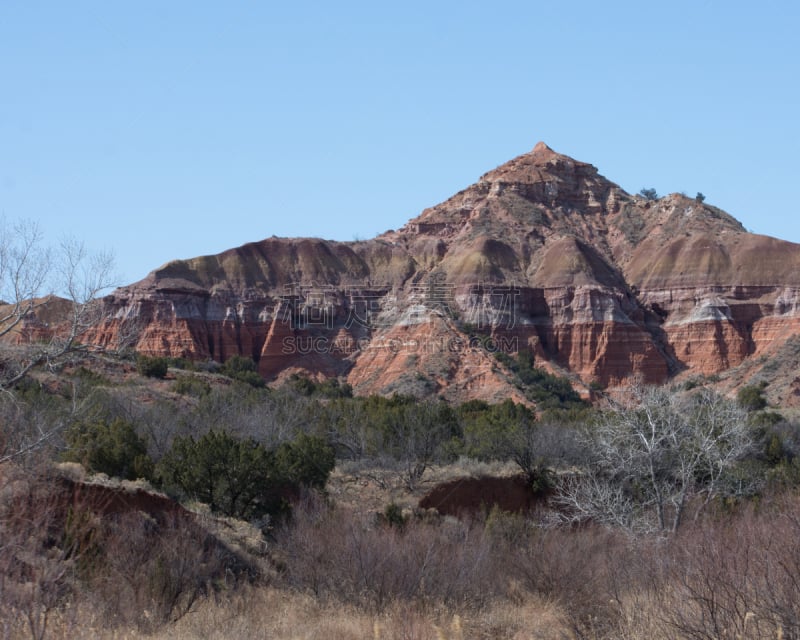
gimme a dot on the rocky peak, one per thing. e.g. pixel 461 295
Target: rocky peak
pixel 538 195
pixel 560 174
pixel 532 166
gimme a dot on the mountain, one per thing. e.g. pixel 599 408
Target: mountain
pixel 542 254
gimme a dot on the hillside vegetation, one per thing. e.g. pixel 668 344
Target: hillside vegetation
pixel 292 511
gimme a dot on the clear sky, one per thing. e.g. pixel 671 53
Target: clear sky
pixel 171 129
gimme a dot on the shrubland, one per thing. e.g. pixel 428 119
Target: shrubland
pixel 672 513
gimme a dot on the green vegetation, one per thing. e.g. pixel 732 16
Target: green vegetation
pixel 291 437
pixel 182 363
pixel 243 370
pixel 752 397
pixel 228 474
pixel 113 448
pixel 663 460
pixel 329 388
pixel 152 366
pixel 649 194
pixel 393 516
pixel 306 461
pixel 414 434
pixel 240 477
pixel 505 431
pixel 190 385
pixel 546 390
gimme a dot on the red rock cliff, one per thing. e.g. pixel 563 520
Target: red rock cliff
pixel 542 253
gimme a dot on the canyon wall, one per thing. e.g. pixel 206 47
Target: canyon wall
pixel 541 254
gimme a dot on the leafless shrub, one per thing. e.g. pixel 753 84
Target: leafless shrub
pixel 153 572
pixel 585 571
pixel 738 578
pixel 603 585
pixel 66 547
pixel 656 454
pixel 39 551
pixel 28 430
pixel 270 419
pixel 338 556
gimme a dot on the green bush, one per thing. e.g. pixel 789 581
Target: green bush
pixel 504 431
pixel 113 448
pixel 302 385
pixel 252 378
pixel 307 461
pixel 243 370
pixel 393 516
pixel 486 428
pixel 649 194
pixel 751 397
pixel 182 363
pixel 152 366
pixel 240 477
pixel 238 364
pixel 191 386
pixel 330 388
pixel 228 474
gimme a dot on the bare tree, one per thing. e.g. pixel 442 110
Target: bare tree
pixel 49 301
pixel 23 273
pixel 654 452
pixel 348 428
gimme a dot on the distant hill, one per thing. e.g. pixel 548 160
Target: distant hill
pixel 542 254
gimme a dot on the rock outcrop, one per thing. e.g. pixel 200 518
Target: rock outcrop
pixel 542 253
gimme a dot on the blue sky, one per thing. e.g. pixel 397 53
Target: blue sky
pixel 163 130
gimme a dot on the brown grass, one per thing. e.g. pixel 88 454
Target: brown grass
pixel 267 612
pixel 272 613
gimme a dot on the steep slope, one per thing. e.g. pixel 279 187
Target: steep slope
pixel 542 253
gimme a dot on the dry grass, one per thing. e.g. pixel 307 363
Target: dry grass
pixel 271 613
pixel 265 612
